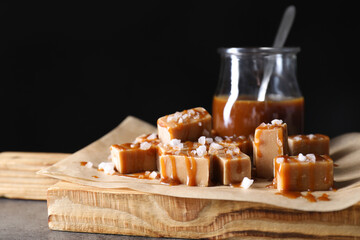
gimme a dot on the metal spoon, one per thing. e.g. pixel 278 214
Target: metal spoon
pixel 279 41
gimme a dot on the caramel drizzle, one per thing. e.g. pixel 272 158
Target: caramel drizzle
pixel 191 171
pixel 173 179
pixel 257 143
pixel 83 163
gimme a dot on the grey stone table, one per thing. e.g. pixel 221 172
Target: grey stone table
pixel 27 219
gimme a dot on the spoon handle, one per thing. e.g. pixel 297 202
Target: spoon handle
pixel 280 39
pixel 284 28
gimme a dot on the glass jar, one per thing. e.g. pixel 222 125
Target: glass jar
pixel 257 85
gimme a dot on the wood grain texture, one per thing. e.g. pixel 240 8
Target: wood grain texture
pixel 73 207
pixel 18 178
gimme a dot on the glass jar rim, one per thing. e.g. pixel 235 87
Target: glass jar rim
pixel 257 50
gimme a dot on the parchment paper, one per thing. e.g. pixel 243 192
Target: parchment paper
pixel 344 149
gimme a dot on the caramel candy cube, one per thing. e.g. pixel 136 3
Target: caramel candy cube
pixel 187 167
pixel 231 167
pixel 134 157
pixel 311 143
pixel 187 125
pixel 310 172
pixel 270 140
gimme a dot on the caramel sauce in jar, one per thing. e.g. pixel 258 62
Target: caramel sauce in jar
pixel 247 113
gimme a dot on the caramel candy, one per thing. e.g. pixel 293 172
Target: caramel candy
pixel 270 140
pixel 187 167
pixel 134 157
pixel 311 143
pixel 310 172
pixel 231 167
pixel 187 125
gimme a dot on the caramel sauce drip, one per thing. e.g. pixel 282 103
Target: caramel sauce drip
pixel 257 143
pixel 163 170
pixel 95 176
pixel 247 113
pixel 173 179
pixel 83 163
pixel 191 171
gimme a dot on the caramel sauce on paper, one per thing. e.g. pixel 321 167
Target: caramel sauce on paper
pixel 308 196
pixel 83 163
pixel 247 113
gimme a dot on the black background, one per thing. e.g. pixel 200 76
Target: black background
pixel 71 73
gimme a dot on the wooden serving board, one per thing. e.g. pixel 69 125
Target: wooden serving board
pixel 73 207
pixel 18 178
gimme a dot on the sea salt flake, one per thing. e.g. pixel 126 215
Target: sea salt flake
pixel 176 143
pixel 170 118
pixel 301 157
pixel 191 112
pixel 311 136
pixel 246 183
pixel 201 150
pixel 311 157
pixel 297 138
pixel 145 146
pixel 236 150
pixel 152 136
pixel 216 146
pixel 89 164
pixel 277 122
pixel 107 167
pixel 184 116
pixel 153 175
pixel 280 160
pixel 209 140
pixel 180 120
pixel 218 139
pixel 200 124
pixel 202 140
pixel 229 151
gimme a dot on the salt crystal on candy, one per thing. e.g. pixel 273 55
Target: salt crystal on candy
pixel 301 157
pixel 311 157
pixel 277 122
pixel 202 140
pixel 216 146
pixel 201 150
pixel 145 146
